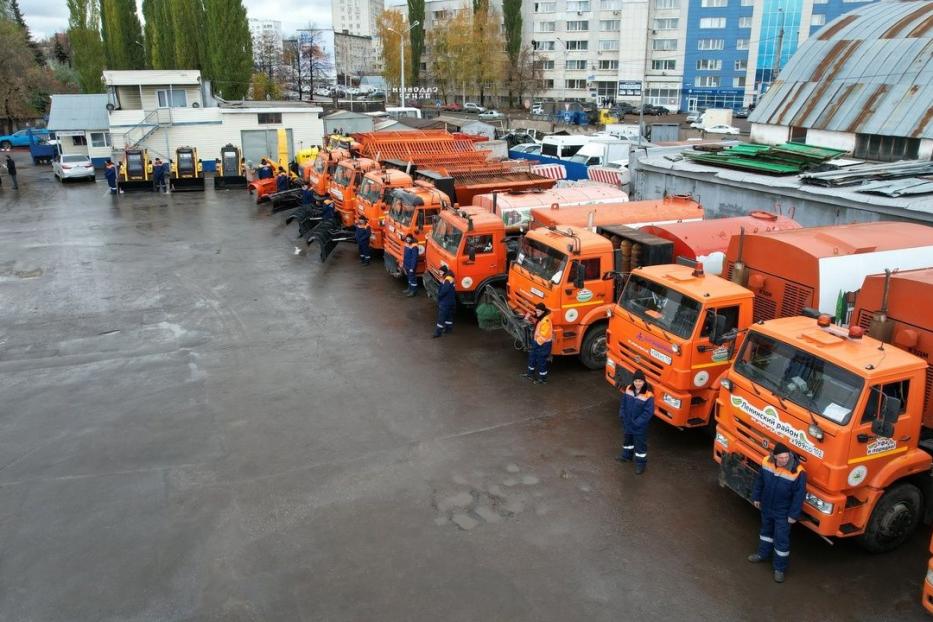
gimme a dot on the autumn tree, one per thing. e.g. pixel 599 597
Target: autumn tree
pixel 512 20
pixel 305 61
pixel 263 87
pixel 416 37
pixel 390 26
pixel 24 85
pixel 487 37
pixel 122 35
pixel 525 74
pixel 453 55
pixel 87 47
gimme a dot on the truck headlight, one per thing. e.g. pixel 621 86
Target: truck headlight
pixel 610 363
pixel 671 401
pixel 930 577
pixel 823 507
pixel 722 440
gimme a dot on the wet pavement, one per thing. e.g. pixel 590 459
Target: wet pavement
pixel 198 424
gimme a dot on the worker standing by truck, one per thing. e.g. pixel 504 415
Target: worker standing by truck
pixel 159 174
pixel 542 337
pixel 779 493
pixel 362 234
pixel 110 172
pixel 446 304
pixel 11 171
pixel 636 410
pixel 307 195
pixel 281 180
pixel 410 264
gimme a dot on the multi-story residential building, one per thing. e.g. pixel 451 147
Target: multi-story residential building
pixel 735 48
pixel 357 48
pixel 267 38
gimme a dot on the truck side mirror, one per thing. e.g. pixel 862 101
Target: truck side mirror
pixel 579 274
pixel 471 252
pixel 890 411
pixel 718 330
pixel 420 219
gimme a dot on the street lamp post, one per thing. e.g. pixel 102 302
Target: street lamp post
pixel 401 71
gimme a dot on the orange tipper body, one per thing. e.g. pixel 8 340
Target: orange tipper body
pixel 318 175
pixel 375 196
pixel 471 242
pixel 665 324
pixel 344 184
pixel 826 393
pixel 413 211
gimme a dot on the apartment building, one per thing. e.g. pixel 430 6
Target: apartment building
pixel 357 48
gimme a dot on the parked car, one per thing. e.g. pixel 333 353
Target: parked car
pixel 538 109
pixel 73 167
pixel 657 111
pixel 741 113
pixel 694 117
pixel 722 129
pixel 491 115
pixel 21 138
pixel 532 149
pixel 452 107
pixel 623 108
pixel 472 107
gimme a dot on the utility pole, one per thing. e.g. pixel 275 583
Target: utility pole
pixel 779 49
pixel 644 78
pixel 401 45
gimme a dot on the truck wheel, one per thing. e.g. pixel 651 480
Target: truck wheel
pixel 6 145
pixel 593 350
pixel 894 518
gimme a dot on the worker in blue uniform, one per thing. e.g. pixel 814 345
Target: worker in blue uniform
pixel 281 180
pixel 779 493
pixel 410 264
pixel 636 410
pixel 446 303
pixel 307 196
pixel 329 213
pixel 539 352
pixel 362 234
pixel 158 174
pixel 110 172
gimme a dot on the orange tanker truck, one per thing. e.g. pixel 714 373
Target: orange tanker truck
pixel 514 208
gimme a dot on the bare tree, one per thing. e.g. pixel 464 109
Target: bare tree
pixel 305 63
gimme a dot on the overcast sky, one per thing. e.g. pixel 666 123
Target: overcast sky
pixel 46 17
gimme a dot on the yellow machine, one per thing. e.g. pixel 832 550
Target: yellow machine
pixel 230 168
pixel 605 118
pixel 187 170
pixel 306 156
pixel 135 171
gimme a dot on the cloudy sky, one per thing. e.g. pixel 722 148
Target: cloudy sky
pixel 46 17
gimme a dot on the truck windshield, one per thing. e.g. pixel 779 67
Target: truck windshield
pixel 343 175
pixel 370 190
pixel 402 212
pixel 657 304
pixel 447 236
pixel 541 260
pixel 819 386
pixel 319 165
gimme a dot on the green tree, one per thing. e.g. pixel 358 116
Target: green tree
pixel 87 47
pixel 228 59
pixel 390 22
pixel 512 19
pixel 122 35
pixel 416 35
pixel 188 27
pixel 17 16
pixel 160 35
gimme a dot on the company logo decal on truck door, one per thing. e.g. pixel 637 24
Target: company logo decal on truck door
pixel 767 417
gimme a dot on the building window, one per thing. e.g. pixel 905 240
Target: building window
pixel 610 5
pixel 886 148
pixel 667 4
pixel 578 5
pixel 817 19
pixel 664 65
pixel 543 46
pixel 545 7
pixel 745 22
pixel 712 22
pixel 798 134
pixel 714 44
pixel 545 26
pixel 709 4
pixel 608 64
pixel 100 139
pixel 172 99
pixel 575 65
pixel 664 45
pixel 706 81
pixel 666 23
pixel 608 45
pixel 577 46
pixel 709 64
pixel 738 82
pixel 741 65
pixel 548 83
pixel 264 118
pixel 740 44
pixel 79 141
pixel 575 84
pixel 664 97
pixel 578 26
pixel 752 2
pixel 544 64
pixel 607 89
pixel 609 25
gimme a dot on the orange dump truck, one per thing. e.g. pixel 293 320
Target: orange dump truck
pixel 818 267
pixel 850 407
pixel 344 186
pixel 480 255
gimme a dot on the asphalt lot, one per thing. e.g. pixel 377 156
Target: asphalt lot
pixel 199 424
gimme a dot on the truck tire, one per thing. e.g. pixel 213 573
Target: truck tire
pixel 6 145
pixel 894 519
pixel 593 349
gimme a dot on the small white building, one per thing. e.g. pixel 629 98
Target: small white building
pixel 161 110
pixel 82 126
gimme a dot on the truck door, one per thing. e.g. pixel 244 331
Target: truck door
pixel 707 356
pixel 594 292
pixel 482 250
pixel 866 447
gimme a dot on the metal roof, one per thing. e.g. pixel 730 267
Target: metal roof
pixel 79 112
pixel 870 72
pixel 151 77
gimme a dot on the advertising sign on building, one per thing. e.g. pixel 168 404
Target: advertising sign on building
pixel 629 88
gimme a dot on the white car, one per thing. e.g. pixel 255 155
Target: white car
pixel 721 129
pixel 490 115
pixel 471 107
pixel 73 167
pixel 533 149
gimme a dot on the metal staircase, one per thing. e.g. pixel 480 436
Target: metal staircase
pixel 151 123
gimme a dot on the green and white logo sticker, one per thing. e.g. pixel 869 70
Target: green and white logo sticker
pixel 768 418
pixel 584 295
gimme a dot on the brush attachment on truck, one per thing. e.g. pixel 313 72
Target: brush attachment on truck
pixel 514 324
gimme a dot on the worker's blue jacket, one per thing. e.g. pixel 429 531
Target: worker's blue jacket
pixel 307 197
pixel 362 234
pixel 281 183
pixel 636 410
pixel 410 258
pixel 111 175
pixel 447 293
pixel 781 490
pixel 264 172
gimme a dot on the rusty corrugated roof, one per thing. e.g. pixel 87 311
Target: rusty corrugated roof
pixel 869 71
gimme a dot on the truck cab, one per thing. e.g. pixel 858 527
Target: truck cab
pixel 318 175
pixel 681 327
pixel 471 242
pixel 344 185
pixel 375 196
pixel 849 407
pixel 413 211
